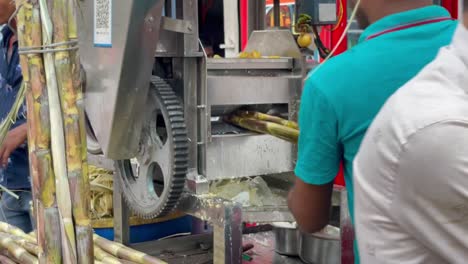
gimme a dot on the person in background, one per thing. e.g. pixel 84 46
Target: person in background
pixel 211 24
pixel 341 98
pixel 411 172
pixel 14 164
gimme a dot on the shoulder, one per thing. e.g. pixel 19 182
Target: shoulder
pixel 340 73
pixel 431 99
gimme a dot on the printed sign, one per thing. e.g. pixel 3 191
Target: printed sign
pixel 103 23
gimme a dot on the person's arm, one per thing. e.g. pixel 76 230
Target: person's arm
pixel 310 205
pixel 13 140
pixel 318 161
pixel 431 190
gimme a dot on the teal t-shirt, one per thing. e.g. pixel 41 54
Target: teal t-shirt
pixel 341 97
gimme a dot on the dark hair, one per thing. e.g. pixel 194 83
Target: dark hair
pixel 465 5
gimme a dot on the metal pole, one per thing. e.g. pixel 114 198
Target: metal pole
pixel 276 12
pixel 121 215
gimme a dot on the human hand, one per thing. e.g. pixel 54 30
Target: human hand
pixel 13 140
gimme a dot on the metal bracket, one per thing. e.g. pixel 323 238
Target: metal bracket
pixel 121 216
pixel 177 25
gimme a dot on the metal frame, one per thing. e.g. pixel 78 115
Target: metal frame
pixel 231 29
pixel 204 85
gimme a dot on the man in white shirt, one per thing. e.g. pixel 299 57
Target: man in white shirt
pixel 411 172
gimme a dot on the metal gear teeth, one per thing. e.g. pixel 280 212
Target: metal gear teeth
pixel 180 146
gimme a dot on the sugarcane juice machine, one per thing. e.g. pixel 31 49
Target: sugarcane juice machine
pixel 155 105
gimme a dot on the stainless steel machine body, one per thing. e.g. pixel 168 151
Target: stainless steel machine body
pixel 115 56
pixel 118 69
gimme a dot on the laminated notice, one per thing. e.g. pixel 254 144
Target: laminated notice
pixel 103 23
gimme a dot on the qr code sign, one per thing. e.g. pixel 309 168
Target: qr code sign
pixel 103 13
pixel 103 23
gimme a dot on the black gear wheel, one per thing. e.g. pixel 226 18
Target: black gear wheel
pixel 152 188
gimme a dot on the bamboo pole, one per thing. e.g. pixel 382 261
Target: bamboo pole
pixel 69 254
pixel 39 137
pixel 124 252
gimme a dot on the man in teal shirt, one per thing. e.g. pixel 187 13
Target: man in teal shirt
pixel 342 97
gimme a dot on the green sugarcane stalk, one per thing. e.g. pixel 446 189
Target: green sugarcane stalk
pixel 264 127
pixel 48 222
pixel 39 138
pixel 105 257
pixel 268 118
pixel 9 229
pixel 124 252
pixel 32 248
pixel 79 187
pixel 17 251
pixel 78 84
pixel 58 144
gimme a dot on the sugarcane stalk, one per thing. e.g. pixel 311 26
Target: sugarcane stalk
pixel 9 229
pixel 48 222
pixel 124 261
pixel 265 127
pixel 6 260
pixel 124 252
pixel 268 118
pixel 77 78
pixel 58 144
pixel 39 134
pixel 32 248
pixel 105 257
pixel 17 251
pixel 4 252
pixel 79 187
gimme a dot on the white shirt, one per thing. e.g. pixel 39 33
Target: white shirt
pixel 411 172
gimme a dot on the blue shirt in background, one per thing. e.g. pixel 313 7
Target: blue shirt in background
pixel 16 174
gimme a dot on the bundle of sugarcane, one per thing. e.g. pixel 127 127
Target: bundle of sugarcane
pixel 18 247
pixel 265 124
pixel 47 40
